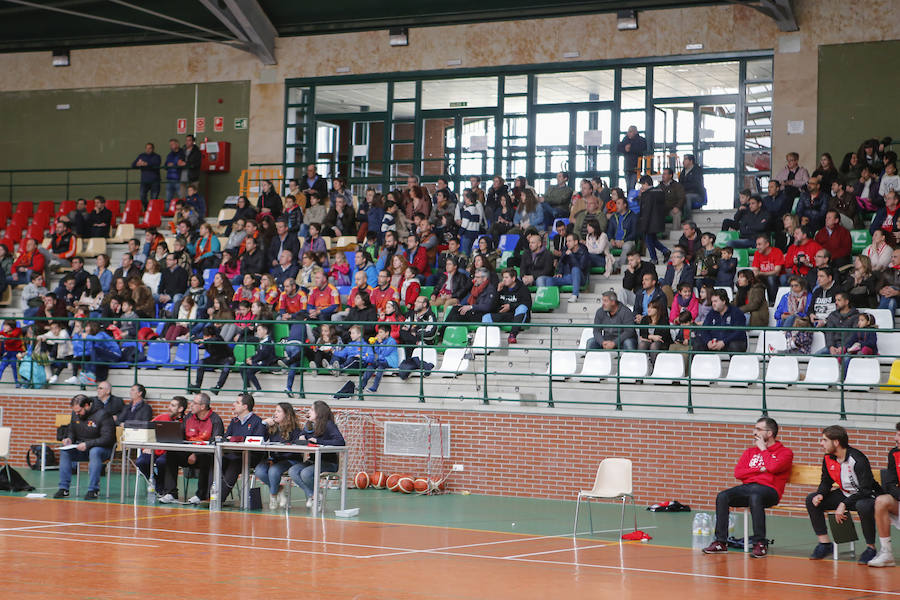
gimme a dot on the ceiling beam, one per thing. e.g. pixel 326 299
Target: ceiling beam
pixel 780 11
pixel 247 21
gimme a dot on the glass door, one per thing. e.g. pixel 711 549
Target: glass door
pixel 458 144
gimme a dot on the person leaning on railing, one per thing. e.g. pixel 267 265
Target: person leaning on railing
pixel 613 325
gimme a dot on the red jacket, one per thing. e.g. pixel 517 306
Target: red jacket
pixel 380 297
pixel 11 341
pixel 838 243
pixel 29 260
pixel 809 248
pixel 777 460
pixel 420 261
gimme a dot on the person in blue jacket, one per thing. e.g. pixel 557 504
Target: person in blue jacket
pixel 148 162
pixel 386 357
pixel 354 355
pixel 264 356
pixel 320 430
pixel 102 349
pixel 728 338
pixel 362 262
pixel 572 268
pixel 794 304
pixel 173 171
pixel 622 228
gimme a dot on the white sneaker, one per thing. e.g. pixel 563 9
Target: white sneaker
pixel 309 502
pixel 283 497
pixel 273 502
pixel 883 559
pixel 573 299
pixel 72 380
pixel 167 499
pixel 53 379
pixel 195 500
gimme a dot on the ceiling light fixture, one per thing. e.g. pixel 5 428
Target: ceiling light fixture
pixel 626 20
pixel 399 36
pixel 60 58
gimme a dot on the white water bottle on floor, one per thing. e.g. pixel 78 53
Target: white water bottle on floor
pixel 697 531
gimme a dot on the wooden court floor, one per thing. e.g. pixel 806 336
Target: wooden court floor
pixel 76 549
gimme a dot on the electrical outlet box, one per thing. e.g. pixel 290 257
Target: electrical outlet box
pixel 459 468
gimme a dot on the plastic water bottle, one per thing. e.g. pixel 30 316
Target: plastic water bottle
pixel 732 521
pixel 697 531
pixel 213 493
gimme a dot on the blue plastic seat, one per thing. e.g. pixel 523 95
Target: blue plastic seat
pixel 186 354
pixel 208 275
pixel 509 241
pixel 157 354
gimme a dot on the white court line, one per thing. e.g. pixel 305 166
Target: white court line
pixel 31 520
pixel 558 550
pixel 41 526
pixel 80 541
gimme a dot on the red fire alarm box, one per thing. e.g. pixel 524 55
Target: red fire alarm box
pixel 216 157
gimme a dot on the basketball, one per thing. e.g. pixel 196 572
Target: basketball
pixel 420 485
pixel 392 482
pixel 436 485
pixel 377 480
pixel 361 480
pixel 406 484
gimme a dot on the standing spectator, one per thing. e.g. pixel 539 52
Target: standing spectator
pixel 792 177
pixel 727 268
pixel 691 178
pixel 470 220
pixel 94 433
pixel 813 205
pixel 730 337
pixel 173 171
pixel 835 238
pixel 763 469
pixel 879 251
pixel 851 471
pixel 314 182
pixel 10 345
pixel 631 148
pixel 190 164
pixel 675 197
pixel 652 218
pixel 613 325
pixel 148 162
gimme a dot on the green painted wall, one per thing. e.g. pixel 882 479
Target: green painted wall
pixel 859 95
pixel 108 128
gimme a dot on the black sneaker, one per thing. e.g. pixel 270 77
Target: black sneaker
pixel 346 391
pixel 821 551
pixel 867 555
pixel 92 495
pixel 215 390
pixel 61 493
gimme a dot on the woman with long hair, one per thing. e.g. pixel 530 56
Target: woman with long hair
pixel 320 429
pixel 152 276
pixel 529 214
pixel 751 298
pixel 397 270
pixel 92 297
pixel 826 171
pixel 653 334
pixel 862 283
pixel 221 286
pixel 283 427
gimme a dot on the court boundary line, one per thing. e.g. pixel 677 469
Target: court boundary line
pixel 80 541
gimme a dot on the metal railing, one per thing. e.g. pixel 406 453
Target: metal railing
pixel 496 378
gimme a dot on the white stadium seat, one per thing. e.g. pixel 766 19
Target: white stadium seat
pixel 633 366
pixel 668 367
pixel 821 372
pixel 782 371
pixel 454 363
pixel 597 365
pixel 490 334
pixel 705 368
pixel 742 368
pixel 563 364
pixel 863 372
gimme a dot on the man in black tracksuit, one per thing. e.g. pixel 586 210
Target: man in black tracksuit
pixel 220 357
pixel 513 303
pixel 245 423
pixel 849 469
pixel 264 356
pixel 94 433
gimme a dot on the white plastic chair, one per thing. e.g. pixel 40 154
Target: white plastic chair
pixel 884 319
pixel 563 364
pixel 771 342
pixel 668 367
pixel 888 346
pixel 782 371
pixel 633 366
pixel 5 438
pixel 821 372
pixel 705 368
pixel 597 365
pixel 613 480
pixel 742 369
pixel 587 334
pixel 426 355
pixel 818 342
pixel 484 333
pixel 863 372
pixel 454 363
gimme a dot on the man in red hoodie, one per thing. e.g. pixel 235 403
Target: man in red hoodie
pixel 763 469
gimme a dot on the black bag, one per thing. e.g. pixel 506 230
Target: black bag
pixel 13 482
pixel 255 498
pixel 411 365
pixel 841 533
pixel 35 452
pixel 61 432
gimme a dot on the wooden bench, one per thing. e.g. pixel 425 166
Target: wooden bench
pixel 805 475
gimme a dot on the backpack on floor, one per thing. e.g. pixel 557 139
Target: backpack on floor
pixel 33 457
pixel 13 482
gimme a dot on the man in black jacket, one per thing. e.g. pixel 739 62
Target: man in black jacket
pixel 537 262
pixel 315 182
pixel 193 161
pixel 754 222
pixel 478 303
pixel 105 400
pixel 93 433
pixel 634 271
pixel 850 470
pixel 220 357
pixel 137 409
pixel 422 326
pixel 253 260
pixel 173 283
pixel 100 219
pixel 244 423
pixel 887 507
pixel 632 147
pixel 264 356
pixel 691 178
pixel 513 304
pixel 281 241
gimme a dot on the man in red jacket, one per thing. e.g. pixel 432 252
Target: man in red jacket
pixel 835 238
pixel 763 469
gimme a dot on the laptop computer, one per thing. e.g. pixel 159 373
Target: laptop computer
pixel 168 432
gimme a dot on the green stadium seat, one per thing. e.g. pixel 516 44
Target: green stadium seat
pixel 426 290
pixel 281 331
pixel 546 299
pixel 860 238
pixel 598 270
pixel 743 257
pixel 242 352
pixel 724 237
pixel 456 335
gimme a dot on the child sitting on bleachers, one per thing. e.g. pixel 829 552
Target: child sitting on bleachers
pixel 229 267
pixel 410 288
pixel 339 274
pixel 704 303
pixel 58 346
pixel 356 354
pixel 684 300
pixel 863 342
pixel 727 268
pixel 386 357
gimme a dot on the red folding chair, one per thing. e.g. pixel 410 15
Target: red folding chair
pixel 152 218
pixel 24 208
pixel 65 207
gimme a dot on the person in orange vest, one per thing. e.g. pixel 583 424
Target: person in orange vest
pixel 30 261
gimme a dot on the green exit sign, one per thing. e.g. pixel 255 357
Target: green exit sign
pixel 240 123
pixel 458 104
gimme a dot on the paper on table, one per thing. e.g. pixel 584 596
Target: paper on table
pixel 69 447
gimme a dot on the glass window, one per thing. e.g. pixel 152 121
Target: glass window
pixel 717 123
pixel 581 86
pixel 517 105
pixel 404 111
pixel 351 98
pixel 759 70
pixel 515 84
pixel 703 79
pixel 467 92
pixel 552 142
pixel 758 116
pixel 638 118
pixel 632 99
pixel 720 190
pixel 404 131
pixel 298 95
pixel 590 156
pixel 758 138
pixel 405 90
pixel 634 77
pixel 718 158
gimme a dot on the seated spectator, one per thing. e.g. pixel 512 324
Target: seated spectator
pixel 174 282
pixel 751 299
pixel 341 218
pixel 537 262
pixel 219 356
pixel 823 297
pixel 383 292
pixel 727 268
pixel 320 429
pixel 690 241
pixel 784 237
pixel 410 288
pixel 33 293
pixel 175 413
pixel 363 263
pixel 397 270
pixel 592 211
pixel 513 304
pixel 452 287
pixel 282 428
pixel 861 283
pixel 767 265
pixel 557 199
pixel 201 425
pixel 572 269
pixel 798 259
pixel 678 271
pixel 878 252
pixel 179 330
pixel 792 177
pixel 835 238
pixel 743 208
pixel 866 190
pixel 99 221
pixel 613 325
pixel 253 261
pixel 813 205
pixel 390 247
pixel 822 260
pixel 622 229
pixel 650 291
pixel 754 223
pixel 480 301
pixel 730 337
pixel 152 276
pixel 102 350
pixel 886 219
pixel 889 286
pixel 319 354
pixel 94 433
pixel 29 261
pixel 707 260
pixel 308 265
pixel 92 297
pixel 675 197
pixel 763 469
pixel 865 341
pixel 420 325
pixel 58 346
pixel 393 316
pixel 385 357
pixel 355 354
pixel 63 245
pixel 691 178
pixel 843 316
pixel 653 334
pixel 776 203
pixel 324 298
pixel 844 202
pixel 263 357
pixel 796 303
pixel 684 301
pixel 195 201
pixel 635 269
pixel 137 408
pixel 269 202
pixel 597 244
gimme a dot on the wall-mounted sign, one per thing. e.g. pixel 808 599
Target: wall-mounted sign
pixel 199 124
pixel 218 123
pixel 181 126
pixel 240 123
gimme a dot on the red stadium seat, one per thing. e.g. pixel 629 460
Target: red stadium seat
pixel 14 234
pixel 45 207
pixel 151 218
pixel 24 208
pixel 36 231
pixel 65 207
pixel 170 210
pixel 89 205
pixel 134 204
pixel 114 207
pixel 157 204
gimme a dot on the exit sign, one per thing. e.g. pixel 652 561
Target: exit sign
pixel 458 104
pixel 240 123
